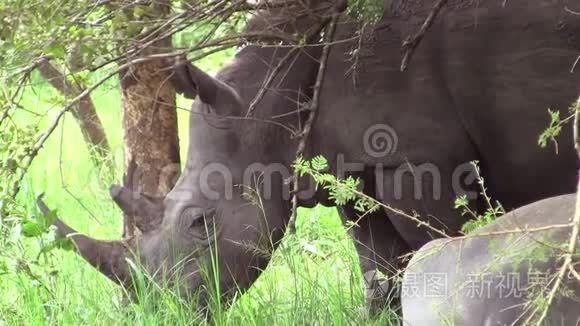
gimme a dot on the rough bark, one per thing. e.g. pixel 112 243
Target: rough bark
pixel 150 129
pixel 84 113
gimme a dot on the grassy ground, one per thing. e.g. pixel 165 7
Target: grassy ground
pixel 313 277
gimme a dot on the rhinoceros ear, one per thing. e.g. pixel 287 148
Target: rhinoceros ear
pixel 147 210
pixel 182 80
pixel 192 82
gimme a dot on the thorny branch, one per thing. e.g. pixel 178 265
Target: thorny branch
pixel 414 218
pixel 572 243
pixel 411 43
pixel 328 36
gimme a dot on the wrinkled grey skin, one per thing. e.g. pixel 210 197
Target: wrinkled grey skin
pixel 509 269
pixel 477 89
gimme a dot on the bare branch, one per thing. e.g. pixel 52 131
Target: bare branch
pixel 82 14
pixel 229 41
pixel 272 75
pixel 269 79
pixel 574 272
pixel 573 12
pixel 208 13
pixel 52 127
pixel 328 37
pixel 522 230
pixel 84 112
pixel 411 43
pixel 25 75
pixel 575 64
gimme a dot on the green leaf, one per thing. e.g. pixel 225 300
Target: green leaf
pixel 56 50
pixel 3 267
pixel 49 218
pixel 553 129
pixel 65 244
pixel 120 18
pixel 32 229
pixel 139 11
pixel 133 28
pixel 461 202
pixel 360 206
pixel 319 163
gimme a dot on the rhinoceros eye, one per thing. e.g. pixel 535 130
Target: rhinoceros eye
pixel 200 219
pixel 197 222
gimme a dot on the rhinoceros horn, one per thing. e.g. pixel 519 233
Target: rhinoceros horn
pixel 109 257
pixel 147 210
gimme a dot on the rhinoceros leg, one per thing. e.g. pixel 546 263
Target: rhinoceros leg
pixel 379 247
pixel 427 191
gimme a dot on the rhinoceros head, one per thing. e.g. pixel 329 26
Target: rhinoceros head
pixel 231 201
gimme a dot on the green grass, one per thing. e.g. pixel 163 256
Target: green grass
pixel 313 277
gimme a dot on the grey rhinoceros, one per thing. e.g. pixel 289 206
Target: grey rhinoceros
pixel 500 275
pixel 478 88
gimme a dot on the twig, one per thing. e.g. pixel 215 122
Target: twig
pixel 230 40
pixel 574 272
pixel 25 74
pixel 82 14
pixel 269 79
pixel 411 43
pixel 217 10
pixel 420 223
pixel 44 137
pixel 28 69
pixel 575 64
pixel 522 230
pixel 297 111
pixel 159 29
pixel 143 44
pixel 573 12
pixel 575 229
pixel 246 6
pixel 328 36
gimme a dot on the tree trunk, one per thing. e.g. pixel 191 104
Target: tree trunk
pixel 150 130
pixel 84 113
